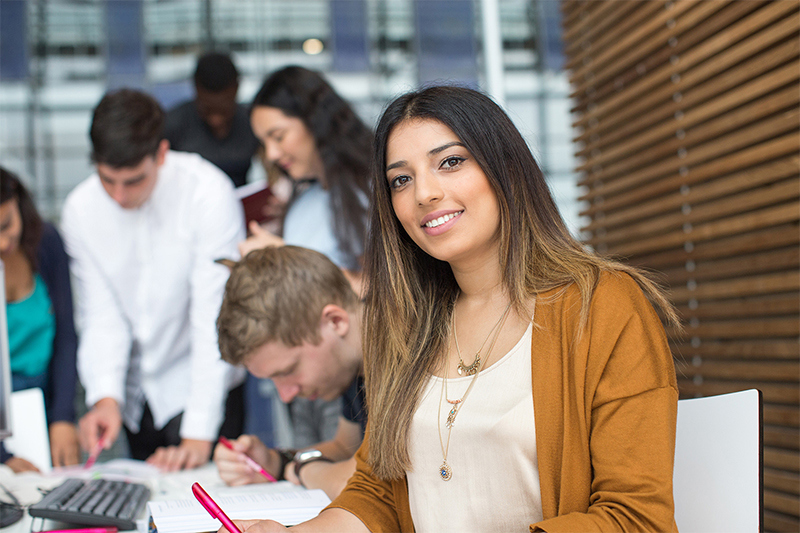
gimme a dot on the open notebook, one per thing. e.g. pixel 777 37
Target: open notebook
pixel 188 516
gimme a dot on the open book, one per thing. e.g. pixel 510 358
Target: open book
pixel 188 516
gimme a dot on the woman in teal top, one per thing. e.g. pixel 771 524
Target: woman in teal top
pixel 31 329
pixel 41 330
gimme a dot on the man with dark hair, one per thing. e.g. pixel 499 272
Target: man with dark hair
pixel 142 234
pixel 289 314
pixel 213 124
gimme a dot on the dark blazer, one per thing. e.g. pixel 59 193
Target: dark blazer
pixel 59 395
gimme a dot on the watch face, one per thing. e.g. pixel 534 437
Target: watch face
pixel 305 455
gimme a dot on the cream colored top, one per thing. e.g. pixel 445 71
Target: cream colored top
pixel 489 490
pixel 606 401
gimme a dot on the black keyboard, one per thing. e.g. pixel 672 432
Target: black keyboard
pixel 95 502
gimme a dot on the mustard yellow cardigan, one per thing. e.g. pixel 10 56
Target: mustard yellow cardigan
pixel 605 411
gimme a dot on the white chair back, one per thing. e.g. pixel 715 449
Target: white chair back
pixel 718 454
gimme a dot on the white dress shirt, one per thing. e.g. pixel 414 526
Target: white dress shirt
pixel 149 293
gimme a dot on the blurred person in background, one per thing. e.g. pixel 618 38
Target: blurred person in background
pixel 315 138
pixel 142 233
pixel 290 315
pixel 311 135
pixel 41 328
pixel 214 125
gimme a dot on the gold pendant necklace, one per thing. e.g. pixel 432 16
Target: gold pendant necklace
pixel 445 471
pixel 472 368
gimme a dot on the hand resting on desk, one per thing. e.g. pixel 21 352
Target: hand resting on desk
pixel 190 453
pixel 64 446
pixel 18 465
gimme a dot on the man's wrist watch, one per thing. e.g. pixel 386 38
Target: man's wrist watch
pixel 303 457
pixel 287 456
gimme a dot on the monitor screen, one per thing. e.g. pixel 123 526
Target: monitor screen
pixel 5 362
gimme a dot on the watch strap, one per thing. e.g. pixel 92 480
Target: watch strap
pixel 287 456
pixel 298 465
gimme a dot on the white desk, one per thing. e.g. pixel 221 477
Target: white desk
pixel 171 486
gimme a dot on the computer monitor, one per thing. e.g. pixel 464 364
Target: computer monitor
pixel 10 509
pixel 5 362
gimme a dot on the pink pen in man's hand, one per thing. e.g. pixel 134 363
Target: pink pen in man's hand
pixel 95 452
pixel 249 461
pixel 213 509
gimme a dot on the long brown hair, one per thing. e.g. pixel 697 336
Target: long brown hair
pixel 411 295
pixel 11 188
pixel 342 139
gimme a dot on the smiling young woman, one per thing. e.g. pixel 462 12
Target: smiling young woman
pixel 502 358
pixel 440 194
pixel 445 151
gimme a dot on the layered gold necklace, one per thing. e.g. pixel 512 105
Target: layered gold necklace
pixel 445 471
pixel 472 369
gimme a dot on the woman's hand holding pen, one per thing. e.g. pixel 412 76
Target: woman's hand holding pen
pixel 256 526
pixel 232 466
pixel 328 521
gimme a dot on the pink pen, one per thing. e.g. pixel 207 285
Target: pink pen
pixel 95 453
pixel 86 530
pixel 213 509
pixel 248 460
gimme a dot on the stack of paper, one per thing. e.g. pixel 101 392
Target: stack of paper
pixel 188 516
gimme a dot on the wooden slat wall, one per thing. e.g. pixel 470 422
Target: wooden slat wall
pixel 688 135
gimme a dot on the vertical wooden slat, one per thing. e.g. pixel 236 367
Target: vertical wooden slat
pixel 687 130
